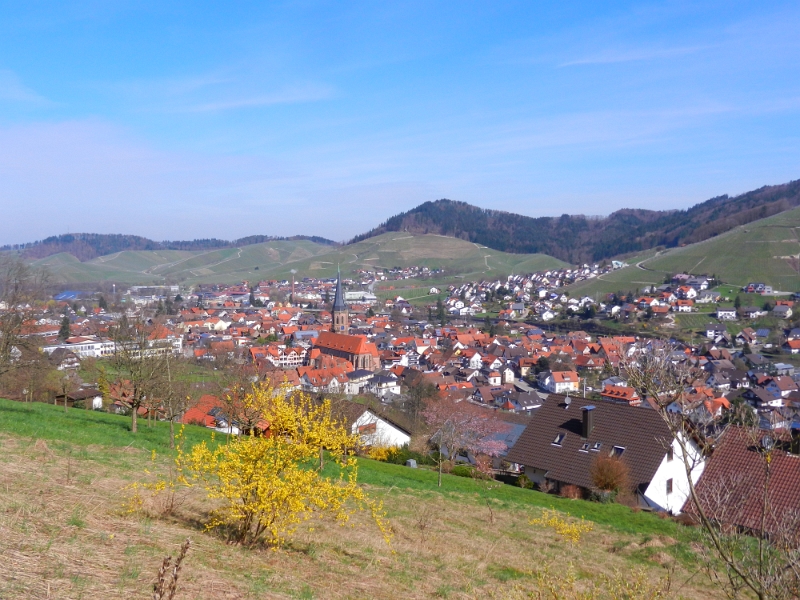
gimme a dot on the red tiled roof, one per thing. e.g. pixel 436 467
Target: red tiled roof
pixel 735 473
pixel 352 344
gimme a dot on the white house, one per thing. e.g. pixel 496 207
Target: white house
pixel 669 488
pixel 379 431
pixel 562 382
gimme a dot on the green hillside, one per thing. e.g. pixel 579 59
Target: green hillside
pixel 68 532
pixel 457 257
pixel 276 259
pixel 765 251
pixel 176 266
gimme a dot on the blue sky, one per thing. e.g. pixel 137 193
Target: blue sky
pixel 182 120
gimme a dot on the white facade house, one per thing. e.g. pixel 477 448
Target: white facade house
pixel 669 488
pixel 562 382
pixel 378 431
pixel 726 314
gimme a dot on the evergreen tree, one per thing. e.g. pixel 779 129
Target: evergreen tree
pixel 102 303
pixel 63 332
pixel 737 303
pixel 440 314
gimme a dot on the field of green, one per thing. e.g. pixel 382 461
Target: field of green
pixel 276 260
pixel 65 531
pixel 763 251
pixel 224 265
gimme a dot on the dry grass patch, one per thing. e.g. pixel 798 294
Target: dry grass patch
pixel 63 534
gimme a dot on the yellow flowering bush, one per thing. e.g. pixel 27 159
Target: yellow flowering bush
pixel 381 453
pixel 565 527
pixel 267 485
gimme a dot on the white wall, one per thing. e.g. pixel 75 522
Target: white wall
pixel 656 493
pixel 386 434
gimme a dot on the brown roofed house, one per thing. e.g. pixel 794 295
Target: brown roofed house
pixel 567 435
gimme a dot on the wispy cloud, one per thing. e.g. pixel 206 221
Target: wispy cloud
pixel 218 91
pixel 13 90
pixel 634 55
pixel 288 95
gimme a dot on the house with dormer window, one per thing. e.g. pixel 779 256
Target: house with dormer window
pixel 561 443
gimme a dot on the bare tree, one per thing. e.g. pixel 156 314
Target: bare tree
pixel 176 393
pixel 140 357
pixel 21 287
pixel 760 556
pixel 463 427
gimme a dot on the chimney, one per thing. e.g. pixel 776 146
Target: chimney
pixel 588 421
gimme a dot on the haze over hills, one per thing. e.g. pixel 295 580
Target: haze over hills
pixel 86 246
pixel 276 260
pixel 468 241
pixel 578 239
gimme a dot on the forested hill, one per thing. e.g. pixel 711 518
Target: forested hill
pixel 86 246
pixel 577 239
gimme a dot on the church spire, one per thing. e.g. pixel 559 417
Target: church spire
pixel 340 317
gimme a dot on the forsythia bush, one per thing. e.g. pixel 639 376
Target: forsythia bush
pixel 558 583
pixel 381 453
pixel 570 530
pixel 269 484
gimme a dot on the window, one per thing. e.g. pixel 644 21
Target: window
pixel 617 451
pixel 596 446
pixel 585 447
pixel 670 454
pixel 669 486
pixel 559 438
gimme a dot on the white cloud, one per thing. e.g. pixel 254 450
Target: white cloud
pixel 13 90
pixel 289 95
pixel 633 55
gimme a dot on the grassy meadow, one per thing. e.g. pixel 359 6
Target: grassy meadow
pixel 276 260
pixel 763 251
pixel 64 532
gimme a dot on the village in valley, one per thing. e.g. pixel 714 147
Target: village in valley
pixel 521 349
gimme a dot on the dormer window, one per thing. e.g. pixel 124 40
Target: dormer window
pixel 617 451
pixel 584 447
pixel 559 439
pixel 596 446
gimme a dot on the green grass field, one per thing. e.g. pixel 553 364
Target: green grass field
pixel 84 428
pixel 276 260
pixel 762 251
pixel 64 532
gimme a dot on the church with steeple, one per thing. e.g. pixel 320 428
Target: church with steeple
pixel 356 349
pixel 341 322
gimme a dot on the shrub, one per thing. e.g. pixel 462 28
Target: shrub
pixel 570 491
pixel 610 474
pixel 524 482
pixel 603 496
pixel 546 486
pixel 463 471
pixel 399 456
pixel 381 453
pixel 564 526
pixel 263 487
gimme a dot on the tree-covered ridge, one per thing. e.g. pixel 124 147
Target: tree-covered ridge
pixel 86 246
pixel 577 238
